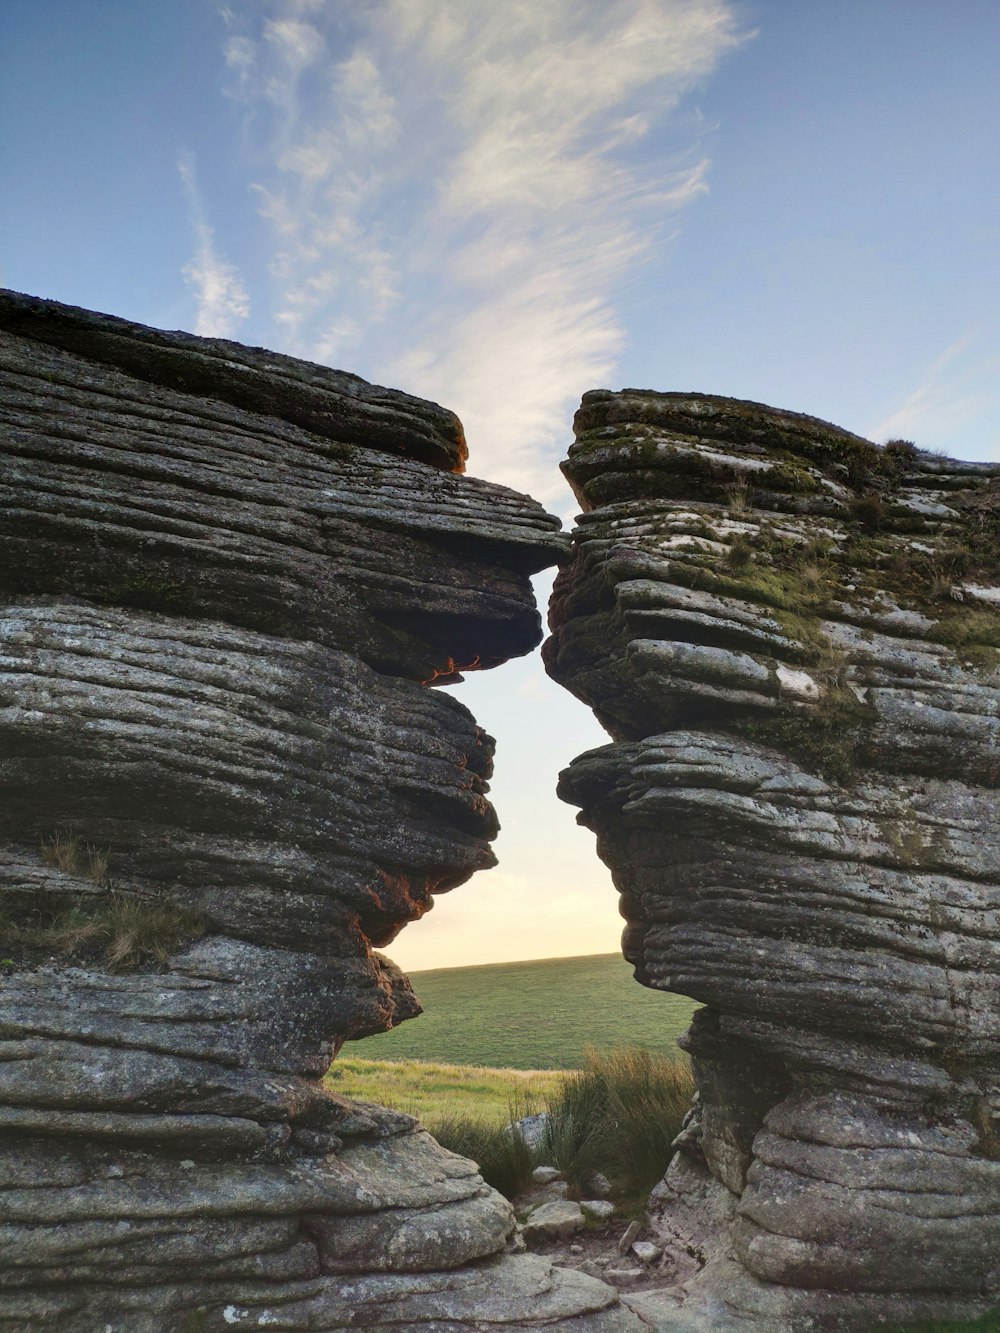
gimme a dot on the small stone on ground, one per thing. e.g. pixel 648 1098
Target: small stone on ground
pixel 601 1210
pixel 631 1233
pixel 646 1251
pixel 598 1186
pixel 545 1175
pixel 623 1275
pixel 554 1221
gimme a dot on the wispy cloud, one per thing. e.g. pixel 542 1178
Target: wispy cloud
pixel 223 301
pixel 955 403
pixel 457 191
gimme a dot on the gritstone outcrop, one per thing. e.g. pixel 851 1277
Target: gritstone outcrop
pixel 228 579
pixel 792 637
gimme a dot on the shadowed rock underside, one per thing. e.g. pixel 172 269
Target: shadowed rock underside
pixel 793 637
pixel 228 579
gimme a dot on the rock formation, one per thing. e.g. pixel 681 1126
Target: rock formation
pixel 229 578
pixel 792 637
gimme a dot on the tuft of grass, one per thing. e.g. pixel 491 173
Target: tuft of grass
pixel 870 510
pixel 139 931
pixel 71 932
pixel 68 854
pixel 737 492
pixel 122 931
pixel 503 1158
pixel 814 575
pixel 619 1115
pixel 897 457
pixel 740 552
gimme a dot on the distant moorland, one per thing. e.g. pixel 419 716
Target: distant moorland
pixel 537 1015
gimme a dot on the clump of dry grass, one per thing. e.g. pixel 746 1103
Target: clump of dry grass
pixel 67 853
pixel 122 930
pixel 140 931
pixel 737 492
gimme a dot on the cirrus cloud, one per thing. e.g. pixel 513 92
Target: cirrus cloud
pixel 457 191
pixel 223 302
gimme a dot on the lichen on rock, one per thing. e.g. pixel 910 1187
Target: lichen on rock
pixel 792 637
pixel 228 578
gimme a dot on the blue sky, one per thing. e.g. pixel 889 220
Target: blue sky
pixel 500 204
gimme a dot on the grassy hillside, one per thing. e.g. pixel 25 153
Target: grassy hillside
pixel 538 1015
pixel 432 1091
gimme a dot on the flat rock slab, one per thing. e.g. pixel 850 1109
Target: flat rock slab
pixel 554 1221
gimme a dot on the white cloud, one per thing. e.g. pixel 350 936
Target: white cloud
pixel 458 190
pixel 955 403
pixel 298 44
pixel 223 301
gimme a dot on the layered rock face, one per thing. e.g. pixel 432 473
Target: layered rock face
pixel 792 637
pixel 228 579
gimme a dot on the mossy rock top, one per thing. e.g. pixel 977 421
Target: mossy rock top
pixel 709 438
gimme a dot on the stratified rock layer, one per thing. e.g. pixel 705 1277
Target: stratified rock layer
pixel 792 636
pixel 228 578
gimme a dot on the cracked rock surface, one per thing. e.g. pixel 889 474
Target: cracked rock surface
pixel 792 637
pixel 228 579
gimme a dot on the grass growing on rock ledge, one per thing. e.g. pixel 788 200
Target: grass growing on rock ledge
pixel 121 932
pixel 68 854
pixel 106 926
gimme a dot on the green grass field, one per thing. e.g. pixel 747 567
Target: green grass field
pixel 537 1015
pixel 430 1091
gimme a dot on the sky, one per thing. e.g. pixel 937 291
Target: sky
pixel 500 204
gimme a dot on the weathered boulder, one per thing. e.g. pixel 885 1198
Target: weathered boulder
pixel 227 580
pixel 792 636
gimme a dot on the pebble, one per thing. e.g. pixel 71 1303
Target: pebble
pixel 592 1268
